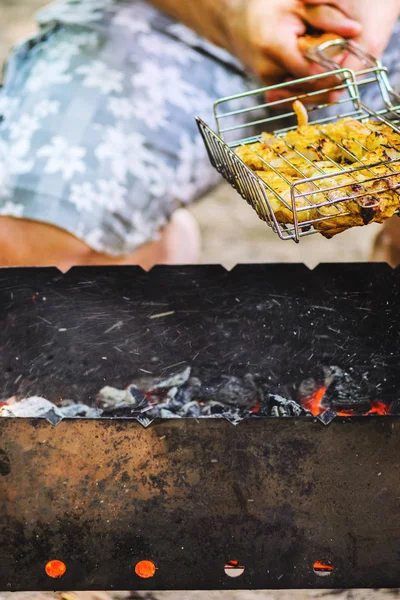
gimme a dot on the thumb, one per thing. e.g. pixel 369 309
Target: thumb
pixel 329 18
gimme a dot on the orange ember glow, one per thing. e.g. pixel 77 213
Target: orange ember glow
pixel 345 413
pixel 145 569
pixel 379 408
pixel 55 568
pixel 313 403
pixel 321 566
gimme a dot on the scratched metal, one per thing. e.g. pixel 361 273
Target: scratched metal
pixel 66 336
pixel 274 494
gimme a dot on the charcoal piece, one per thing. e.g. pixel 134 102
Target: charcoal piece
pixel 233 416
pixel 231 390
pixel 192 409
pixel 273 405
pixel 167 414
pixel 138 398
pixel 307 388
pixel 185 394
pixel 212 409
pixel 123 411
pixel 110 397
pixel 347 391
pixel 174 380
pixel 80 410
pixel 395 407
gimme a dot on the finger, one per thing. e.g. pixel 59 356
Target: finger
pixel 292 59
pixel 289 95
pixel 329 18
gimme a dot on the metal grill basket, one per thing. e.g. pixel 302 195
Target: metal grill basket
pixel 241 119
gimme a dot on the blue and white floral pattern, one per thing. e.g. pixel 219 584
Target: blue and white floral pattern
pixel 98 134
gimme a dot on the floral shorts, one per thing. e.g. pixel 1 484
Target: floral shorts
pixel 98 135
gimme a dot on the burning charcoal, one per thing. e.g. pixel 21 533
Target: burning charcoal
pixel 345 392
pixel 138 397
pixel 307 388
pixel 274 405
pixel 80 410
pixel 286 409
pixel 185 394
pixel 34 407
pixel 231 390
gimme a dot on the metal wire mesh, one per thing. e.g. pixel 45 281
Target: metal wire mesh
pixel 314 200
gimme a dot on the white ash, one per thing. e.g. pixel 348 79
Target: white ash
pixel 34 407
pixel 181 395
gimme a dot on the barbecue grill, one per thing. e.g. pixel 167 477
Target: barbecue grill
pixel 106 503
pixel 240 126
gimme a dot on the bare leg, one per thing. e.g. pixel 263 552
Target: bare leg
pixel 30 243
pixel 387 243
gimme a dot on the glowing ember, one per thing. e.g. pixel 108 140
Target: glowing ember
pixel 379 408
pixel 313 403
pixel 55 568
pixel 346 413
pixel 322 568
pixel 145 569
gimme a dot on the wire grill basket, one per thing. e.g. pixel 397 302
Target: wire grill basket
pixel 241 119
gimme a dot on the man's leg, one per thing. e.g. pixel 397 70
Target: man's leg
pixel 99 148
pixel 29 243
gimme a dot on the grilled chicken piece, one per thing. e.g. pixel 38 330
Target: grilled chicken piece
pixel 337 199
pixel 283 213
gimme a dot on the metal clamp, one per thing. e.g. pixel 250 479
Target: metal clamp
pixel 325 53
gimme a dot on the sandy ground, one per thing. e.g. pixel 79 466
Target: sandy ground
pixel 232 234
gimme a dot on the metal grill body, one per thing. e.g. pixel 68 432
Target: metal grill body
pixel 275 494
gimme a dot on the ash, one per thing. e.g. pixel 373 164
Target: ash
pixel 182 395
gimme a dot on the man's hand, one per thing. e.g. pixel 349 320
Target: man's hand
pixel 377 20
pixel 264 34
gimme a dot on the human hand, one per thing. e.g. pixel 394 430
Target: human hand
pixel 377 21
pixel 264 34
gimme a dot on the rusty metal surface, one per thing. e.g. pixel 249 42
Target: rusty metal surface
pixel 275 494
pixel 191 495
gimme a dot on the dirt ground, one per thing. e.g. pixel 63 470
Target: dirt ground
pixel 231 234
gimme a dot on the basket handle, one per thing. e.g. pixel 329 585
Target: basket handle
pixel 323 49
